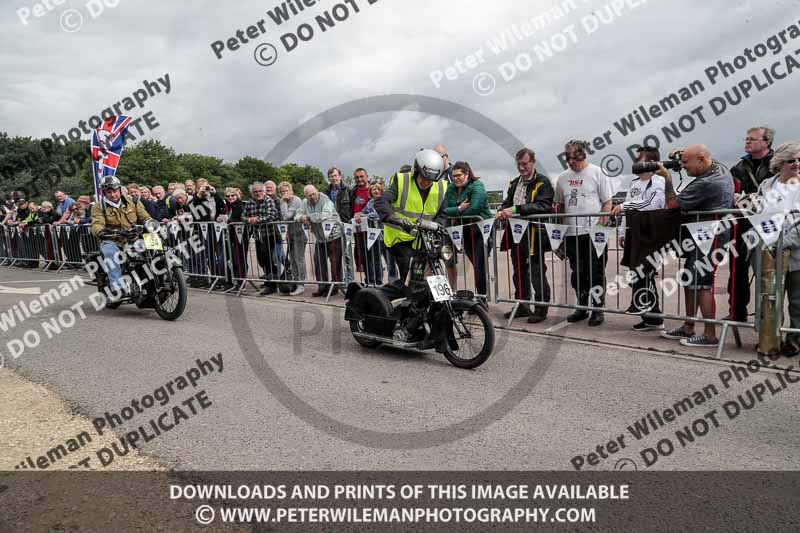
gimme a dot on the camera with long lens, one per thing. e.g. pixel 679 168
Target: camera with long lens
pixel 652 166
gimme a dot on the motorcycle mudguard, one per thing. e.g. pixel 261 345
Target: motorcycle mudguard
pixel 373 307
pixel 445 324
pixel 463 305
pixel 351 291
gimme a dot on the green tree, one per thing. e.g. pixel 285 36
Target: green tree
pixel 253 169
pixel 149 162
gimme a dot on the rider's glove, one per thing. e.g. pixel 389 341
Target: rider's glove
pixel 401 223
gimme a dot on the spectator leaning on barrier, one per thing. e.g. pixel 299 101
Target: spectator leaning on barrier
pixel 63 202
pixel 751 170
pixel 79 213
pixel 23 215
pixel 342 199
pixel 582 189
pixel 466 197
pixel 780 194
pixel 367 258
pixel 318 210
pixel 146 194
pixel 289 204
pixel 530 193
pixel 646 193
pixel 178 205
pixel 46 214
pixel 712 189
pixel 260 212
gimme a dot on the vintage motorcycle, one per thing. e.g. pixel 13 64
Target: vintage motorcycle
pixel 422 312
pixel 157 274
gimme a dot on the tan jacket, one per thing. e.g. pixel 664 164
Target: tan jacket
pixel 125 217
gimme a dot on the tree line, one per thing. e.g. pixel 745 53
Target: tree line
pixel 39 167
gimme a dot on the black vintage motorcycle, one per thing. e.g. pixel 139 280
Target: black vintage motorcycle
pixel 156 274
pixel 422 312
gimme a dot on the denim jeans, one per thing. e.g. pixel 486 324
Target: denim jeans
pixel 110 250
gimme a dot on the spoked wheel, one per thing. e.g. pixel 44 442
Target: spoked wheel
pixel 170 306
pixel 474 348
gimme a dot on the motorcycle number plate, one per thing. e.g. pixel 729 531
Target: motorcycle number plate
pixel 152 241
pixel 440 288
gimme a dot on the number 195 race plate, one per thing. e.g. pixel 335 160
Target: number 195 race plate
pixel 440 288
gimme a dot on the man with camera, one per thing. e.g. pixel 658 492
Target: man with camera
pixel 711 189
pixel 583 189
pixel 646 193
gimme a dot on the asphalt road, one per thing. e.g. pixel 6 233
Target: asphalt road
pixel 305 396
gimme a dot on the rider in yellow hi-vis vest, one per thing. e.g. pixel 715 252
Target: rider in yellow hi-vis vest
pixel 408 198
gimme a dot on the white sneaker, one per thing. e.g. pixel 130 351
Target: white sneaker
pixel 298 291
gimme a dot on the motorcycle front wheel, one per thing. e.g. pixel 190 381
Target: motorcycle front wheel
pixel 476 346
pixel 170 306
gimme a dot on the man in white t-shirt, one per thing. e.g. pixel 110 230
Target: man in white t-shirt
pixel 584 188
pixel 646 193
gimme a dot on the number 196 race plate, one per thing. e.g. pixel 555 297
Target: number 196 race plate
pixel 440 288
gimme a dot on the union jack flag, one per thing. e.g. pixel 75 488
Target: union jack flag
pixel 107 142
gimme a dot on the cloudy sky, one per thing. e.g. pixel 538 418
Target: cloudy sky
pixel 74 60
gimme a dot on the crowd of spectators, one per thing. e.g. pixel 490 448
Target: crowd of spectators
pixel 279 232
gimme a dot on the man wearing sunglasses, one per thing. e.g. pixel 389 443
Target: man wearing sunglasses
pixel 748 173
pixel 584 188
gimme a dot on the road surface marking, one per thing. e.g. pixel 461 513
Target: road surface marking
pixel 13 290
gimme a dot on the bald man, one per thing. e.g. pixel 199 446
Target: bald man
pixel 711 189
pixel 448 168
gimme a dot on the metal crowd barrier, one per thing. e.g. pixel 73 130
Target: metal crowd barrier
pixel 275 253
pixel 470 269
pixel 239 254
pixel 560 279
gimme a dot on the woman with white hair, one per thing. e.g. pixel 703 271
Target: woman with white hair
pixel 780 195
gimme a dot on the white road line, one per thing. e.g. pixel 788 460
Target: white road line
pixel 59 280
pixel 27 290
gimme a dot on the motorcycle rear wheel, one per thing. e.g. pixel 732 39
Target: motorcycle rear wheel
pixel 472 352
pixel 172 305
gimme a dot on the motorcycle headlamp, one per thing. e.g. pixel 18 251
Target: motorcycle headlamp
pixel 446 252
pixel 152 226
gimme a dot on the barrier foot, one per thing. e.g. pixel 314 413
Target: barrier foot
pixel 241 288
pixel 723 334
pixel 214 284
pixel 513 314
pixel 737 337
pixel 330 290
